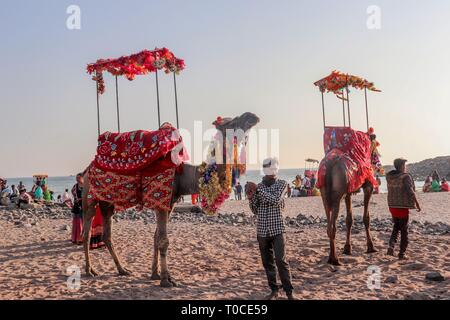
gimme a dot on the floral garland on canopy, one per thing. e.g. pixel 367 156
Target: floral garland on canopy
pixel 141 63
pixel 337 82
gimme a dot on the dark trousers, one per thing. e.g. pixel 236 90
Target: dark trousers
pixel 400 226
pixel 268 246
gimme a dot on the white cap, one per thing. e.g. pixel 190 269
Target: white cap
pixel 271 166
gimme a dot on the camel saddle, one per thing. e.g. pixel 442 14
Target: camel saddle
pixel 353 148
pixel 137 169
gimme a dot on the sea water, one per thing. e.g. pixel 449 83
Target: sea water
pixel 59 184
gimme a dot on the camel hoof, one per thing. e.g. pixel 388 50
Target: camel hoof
pixel 372 250
pixel 173 282
pixel 125 272
pixel 334 262
pixel 92 273
pixel 165 283
pixel 155 276
pixel 347 250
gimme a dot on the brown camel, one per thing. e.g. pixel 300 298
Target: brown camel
pixel 334 189
pixel 186 183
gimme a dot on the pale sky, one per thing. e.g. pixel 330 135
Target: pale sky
pixel 241 55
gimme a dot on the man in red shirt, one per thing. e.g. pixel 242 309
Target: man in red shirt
pixel 401 198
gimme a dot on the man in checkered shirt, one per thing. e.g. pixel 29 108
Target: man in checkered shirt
pixel 267 203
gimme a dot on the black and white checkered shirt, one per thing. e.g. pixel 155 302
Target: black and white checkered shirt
pixel 268 204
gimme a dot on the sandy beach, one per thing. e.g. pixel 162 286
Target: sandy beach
pixel 435 207
pixel 213 258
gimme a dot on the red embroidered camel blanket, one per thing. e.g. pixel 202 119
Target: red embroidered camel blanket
pixel 136 169
pixel 353 147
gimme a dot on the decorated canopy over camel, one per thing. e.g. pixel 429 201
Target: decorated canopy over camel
pixel 339 84
pixel 142 63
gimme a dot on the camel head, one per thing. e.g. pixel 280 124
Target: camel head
pixel 234 131
pixel 231 134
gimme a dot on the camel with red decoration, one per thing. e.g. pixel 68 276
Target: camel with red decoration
pixel 347 166
pixel 142 169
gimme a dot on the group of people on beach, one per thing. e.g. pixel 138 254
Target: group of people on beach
pixel 303 187
pixel 434 183
pixel 14 194
pixel 40 192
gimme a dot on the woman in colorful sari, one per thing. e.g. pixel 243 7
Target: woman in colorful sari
pixel 375 154
pixel 435 186
pixel 427 185
pixel 47 194
pixel 38 192
pixel 77 222
pixel 97 230
pixel 445 186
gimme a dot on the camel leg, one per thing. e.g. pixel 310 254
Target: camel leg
pixel 325 203
pixel 155 273
pixel 349 223
pixel 368 190
pixel 107 238
pixel 162 219
pixel 333 260
pixel 88 216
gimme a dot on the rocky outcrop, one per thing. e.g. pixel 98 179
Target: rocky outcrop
pixel 421 170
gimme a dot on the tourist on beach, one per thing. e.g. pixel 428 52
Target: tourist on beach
pixel 6 191
pixel 77 221
pixel 313 181
pixel 47 193
pixel 24 198
pixel 239 191
pixel 401 198
pixel 38 192
pixel 375 154
pixel 15 192
pixel 427 185
pixel 298 182
pixel 21 186
pixel 66 199
pixel 97 230
pixel 445 186
pixel 307 183
pixel 435 185
pixel 267 203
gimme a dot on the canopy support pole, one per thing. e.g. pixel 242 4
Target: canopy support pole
pixel 323 110
pixel 176 98
pixel 98 110
pixel 117 103
pixel 157 100
pixel 348 108
pixel 343 107
pixel 367 109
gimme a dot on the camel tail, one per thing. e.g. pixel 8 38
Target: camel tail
pixel 329 184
